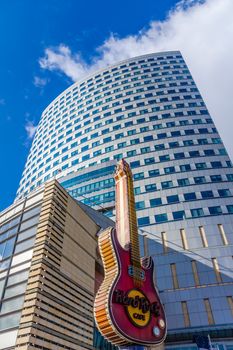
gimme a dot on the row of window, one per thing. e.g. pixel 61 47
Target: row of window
pixel 131 142
pixel 189 196
pixel 162 100
pixel 181 215
pixel 78 117
pixel 158 147
pixel 122 92
pixel 71 114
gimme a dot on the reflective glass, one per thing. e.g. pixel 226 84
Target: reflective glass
pixel 12 304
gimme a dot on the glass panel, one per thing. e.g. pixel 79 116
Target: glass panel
pixel 10 224
pixel 2 283
pixel 17 278
pixel 10 321
pixel 19 289
pixel 31 213
pixel 29 223
pixel 5 264
pixel 24 245
pixel 26 234
pixel 9 246
pixel 13 304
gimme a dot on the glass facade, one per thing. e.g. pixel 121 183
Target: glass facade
pixel 17 235
pixel 148 110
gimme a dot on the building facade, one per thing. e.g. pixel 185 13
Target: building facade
pixel 47 272
pixel 149 110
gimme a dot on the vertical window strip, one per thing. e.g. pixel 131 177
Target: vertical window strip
pixel 185 313
pixel 209 311
pixel 145 245
pixel 203 236
pixel 184 239
pixel 223 234
pixel 195 273
pixel 230 302
pixel 216 270
pixel 174 276
pixel 164 241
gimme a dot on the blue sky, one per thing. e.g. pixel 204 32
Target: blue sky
pixel 48 44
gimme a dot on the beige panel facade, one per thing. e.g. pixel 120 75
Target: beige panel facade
pixel 57 311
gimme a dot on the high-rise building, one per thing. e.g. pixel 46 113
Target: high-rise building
pixel 48 267
pixel 149 110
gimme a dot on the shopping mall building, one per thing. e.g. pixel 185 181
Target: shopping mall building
pixel 148 110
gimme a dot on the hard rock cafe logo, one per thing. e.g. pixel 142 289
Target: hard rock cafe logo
pixel 138 307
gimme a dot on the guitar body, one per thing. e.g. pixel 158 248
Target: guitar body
pixel 126 313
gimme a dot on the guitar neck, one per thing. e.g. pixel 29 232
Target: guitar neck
pixel 126 219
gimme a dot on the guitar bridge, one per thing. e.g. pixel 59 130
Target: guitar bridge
pixel 136 273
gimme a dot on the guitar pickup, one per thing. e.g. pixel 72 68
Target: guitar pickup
pixel 136 272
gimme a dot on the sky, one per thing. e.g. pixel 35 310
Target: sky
pixel 46 45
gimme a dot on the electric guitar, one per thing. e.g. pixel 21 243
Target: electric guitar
pixel 127 308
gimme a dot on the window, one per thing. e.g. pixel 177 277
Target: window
pixel 216 270
pixel 230 177
pixel 150 160
pixel 179 155
pixel 161 218
pixel 185 167
pixel 145 149
pixel 183 182
pixel 197 212
pixel 174 276
pixel 131 153
pixel 216 164
pixel 185 314
pixel 121 145
pixel 164 158
pixel 144 221
pixel 215 210
pixel 169 170
pixel 155 202
pixel 135 164
pixel 166 184
pixel 216 178
pixel 209 311
pixel 209 152
pixel 230 209
pixel 134 142
pixel 178 215
pixel 138 176
pixel 190 196
pixel 140 205
pixel 194 154
pixel 173 199
pixel 200 166
pixel 199 179
pixel 224 193
pixel 207 194
pixel 150 188
pixel 154 172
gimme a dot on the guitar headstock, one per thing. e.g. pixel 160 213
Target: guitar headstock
pixel 122 169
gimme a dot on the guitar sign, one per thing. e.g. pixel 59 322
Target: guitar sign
pixel 127 308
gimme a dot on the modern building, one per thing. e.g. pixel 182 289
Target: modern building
pixel 149 110
pixel 48 269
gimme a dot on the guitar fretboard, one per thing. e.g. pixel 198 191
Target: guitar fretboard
pixel 126 219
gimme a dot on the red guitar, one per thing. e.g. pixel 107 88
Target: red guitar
pixel 127 308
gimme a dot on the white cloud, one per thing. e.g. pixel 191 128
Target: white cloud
pixel 201 30
pixel 30 129
pixel 40 82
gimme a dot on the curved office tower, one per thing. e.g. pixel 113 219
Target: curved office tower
pixel 149 110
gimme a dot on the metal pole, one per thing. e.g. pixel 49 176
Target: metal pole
pixel 211 348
